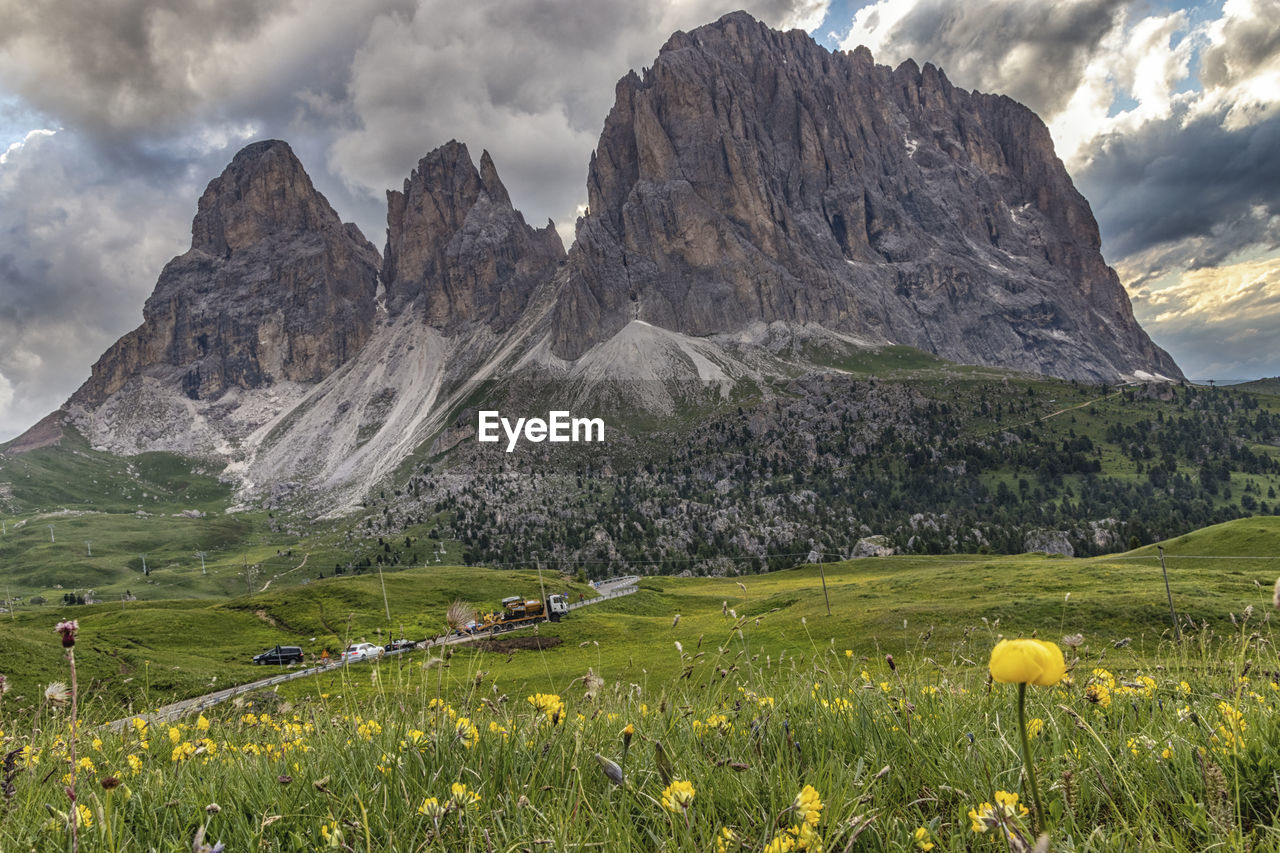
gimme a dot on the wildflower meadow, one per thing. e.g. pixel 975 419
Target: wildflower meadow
pixel 1043 745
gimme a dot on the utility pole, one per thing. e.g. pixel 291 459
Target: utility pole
pixel 88 547
pixel 385 603
pixel 541 586
pixel 145 573
pixel 1173 616
pixel 823 573
pixel 50 532
pixel 201 554
pixel 9 595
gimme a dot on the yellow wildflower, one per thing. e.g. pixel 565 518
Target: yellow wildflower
pixel 1098 694
pixel 808 804
pixel 1027 661
pixel 1035 727
pixel 922 839
pixel 466 733
pixel 548 704
pixel 678 796
pixel 332 835
pixel 461 797
pixel 431 808
pixel 728 840
pixel 781 843
pixel 1006 809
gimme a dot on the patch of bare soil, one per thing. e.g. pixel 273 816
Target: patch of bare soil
pixel 518 644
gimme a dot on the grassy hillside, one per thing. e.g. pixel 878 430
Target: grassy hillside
pixel 72 475
pixel 1261 386
pixel 144 653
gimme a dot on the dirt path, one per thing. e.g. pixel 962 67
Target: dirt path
pixel 291 571
pixel 1041 418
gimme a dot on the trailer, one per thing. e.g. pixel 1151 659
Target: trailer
pixel 518 612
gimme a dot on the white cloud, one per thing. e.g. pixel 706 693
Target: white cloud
pixel 16 147
pixel 1224 321
pixel 6 397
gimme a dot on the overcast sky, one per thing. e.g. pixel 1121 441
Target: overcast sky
pixel 114 116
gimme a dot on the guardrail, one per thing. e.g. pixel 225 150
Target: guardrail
pixel 625 580
pixel 605 597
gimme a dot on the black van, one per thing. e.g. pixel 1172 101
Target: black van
pixel 280 655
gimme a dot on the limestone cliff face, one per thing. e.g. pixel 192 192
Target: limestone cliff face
pixel 750 175
pixel 457 248
pixel 275 287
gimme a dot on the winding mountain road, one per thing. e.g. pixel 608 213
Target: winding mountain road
pixel 609 589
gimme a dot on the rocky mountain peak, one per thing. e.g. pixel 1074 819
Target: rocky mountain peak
pixel 262 193
pixel 457 249
pixel 751 176
pixel 275 287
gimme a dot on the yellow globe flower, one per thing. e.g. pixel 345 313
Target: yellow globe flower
pixel 1027 661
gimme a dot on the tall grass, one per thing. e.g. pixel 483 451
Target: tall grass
pixel 1181 755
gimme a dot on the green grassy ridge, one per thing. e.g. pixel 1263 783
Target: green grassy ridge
pixel 73 475
pixel 35 566
pixel 1270 385
pixel 1258 536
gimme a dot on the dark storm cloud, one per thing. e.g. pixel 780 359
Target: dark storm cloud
pixel 1243 45
pixel 75 266
pixel 1211 189
pixel 122 65
pixel 529 81
pixel 1035 53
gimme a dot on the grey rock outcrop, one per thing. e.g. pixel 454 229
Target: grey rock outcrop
pixel 751 175
pixel 1049 542
pixel 457 248
pixel 275 287
pixel 873 546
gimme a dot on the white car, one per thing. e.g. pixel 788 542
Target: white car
pixel 362 651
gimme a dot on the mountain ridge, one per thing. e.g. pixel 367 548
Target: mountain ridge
pixel 732 227
pixel 750 175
